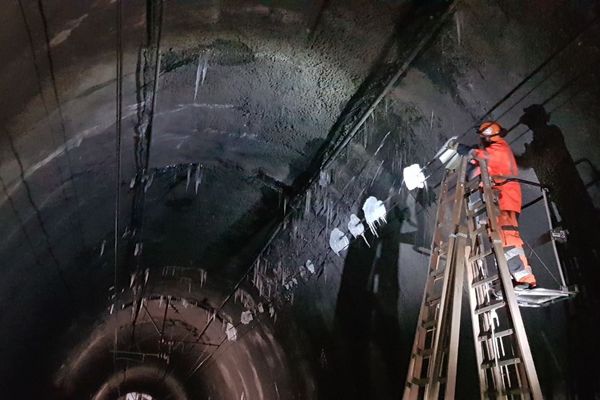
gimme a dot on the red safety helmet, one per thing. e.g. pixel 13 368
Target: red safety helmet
pixel 490 130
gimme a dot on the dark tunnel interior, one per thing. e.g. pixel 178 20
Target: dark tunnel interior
pixel 171 172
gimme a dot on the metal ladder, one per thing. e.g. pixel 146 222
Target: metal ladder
pixel 466 240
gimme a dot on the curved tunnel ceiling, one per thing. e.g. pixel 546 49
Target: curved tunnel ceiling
pixel 224 297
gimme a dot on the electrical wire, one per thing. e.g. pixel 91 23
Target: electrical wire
pixel 541 66
pixel 38 214
pixel 52 73
pixel 21 222
pixel 38 75
pixel 118 172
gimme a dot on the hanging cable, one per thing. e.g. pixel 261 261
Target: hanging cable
pixel 118 126
pixel 38 214
pixel 143 141
pixel 21 222
pixel 36 67
pixel 52 73
pixel 551 57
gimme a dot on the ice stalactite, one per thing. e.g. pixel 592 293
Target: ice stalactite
pixel 198 178
pixel 231 332
pixel 414 177
pixel 338 241
pixel 246 317
pixel 310 266
pixel 188 178
pixel 356 228
pixel 307 201
pixel 375 212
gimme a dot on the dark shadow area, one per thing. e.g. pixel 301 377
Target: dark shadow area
pixel 556 170
pixel 367 354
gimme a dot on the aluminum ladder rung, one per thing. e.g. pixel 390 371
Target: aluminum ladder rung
pixel 428 324
pixel 472 186
pixel 502 362
pixel 438 273
pixel 433 301
pixel 508 392
pixel 418 382
pixel 477 211
pixel 481 256
pixel 424 353
pixel 490 307
pixel 479 231
pixel 483 281
pixel 487 335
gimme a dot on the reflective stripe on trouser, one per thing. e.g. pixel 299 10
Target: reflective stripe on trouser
pixel 513 248
pixel 517 262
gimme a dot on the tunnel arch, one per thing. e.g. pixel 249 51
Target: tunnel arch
pixel 283 80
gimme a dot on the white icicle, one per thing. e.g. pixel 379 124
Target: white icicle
pixel 197 76
pixel 199 174
pixel 324 178
pixel 310 266
pixel 246 317
pixel 356 228
pixel 382 143
pixel 138 249
pixel 149 181
pixel 204 69
pixel 413 177
pixel 307 200
pixel 338 241
pixel 102 248
pixel 231 332
pixel 374 212
pixel 189 175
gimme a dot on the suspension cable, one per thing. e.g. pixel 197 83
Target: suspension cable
pixel 535 71
pixel 51 71
pixel 40 88
pixel 118 173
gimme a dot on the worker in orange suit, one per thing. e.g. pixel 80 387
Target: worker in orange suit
pixel 501 163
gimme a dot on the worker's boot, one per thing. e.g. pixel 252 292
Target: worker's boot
pixel 524 280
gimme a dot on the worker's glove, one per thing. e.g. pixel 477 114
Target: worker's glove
pixel 463 149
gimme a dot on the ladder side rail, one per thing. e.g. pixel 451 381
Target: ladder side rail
pixel 445 322
pixel 453 340
pixel 511 300
pixel 411 390
pixel 563 281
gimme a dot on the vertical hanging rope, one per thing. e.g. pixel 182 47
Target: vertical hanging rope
pixel 118 116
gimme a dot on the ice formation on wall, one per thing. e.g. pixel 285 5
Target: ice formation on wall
pixel 246 317
pixel 231 332
pixel 356 227
pixel 374 212
pixel 324 178
pixel 338 241
pixel 310 266
pixel 413 177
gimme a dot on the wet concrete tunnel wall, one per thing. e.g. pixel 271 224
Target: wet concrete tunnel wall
pixel 241 295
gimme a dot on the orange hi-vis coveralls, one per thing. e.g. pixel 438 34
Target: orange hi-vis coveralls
pixel 501 162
